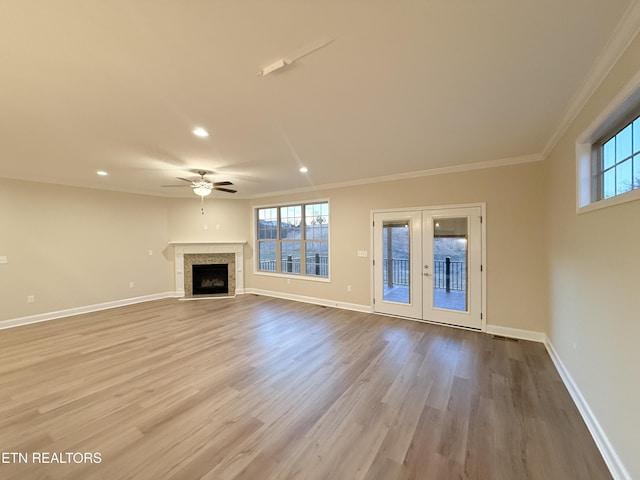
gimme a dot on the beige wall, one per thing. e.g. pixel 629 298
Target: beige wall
pixel 515 238
pixel 594 265
pixel 224 220
pixel 73 247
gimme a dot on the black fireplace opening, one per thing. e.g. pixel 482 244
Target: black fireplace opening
pixel 210 279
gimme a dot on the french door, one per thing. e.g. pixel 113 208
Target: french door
pixel 428 265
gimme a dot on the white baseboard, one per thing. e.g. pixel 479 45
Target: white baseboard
pixel 516 333
pixel 43 317
pixel 316 301
pixel 616 467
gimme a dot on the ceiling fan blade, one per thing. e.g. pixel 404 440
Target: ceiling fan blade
pixel 225 190
pixel 184 179
pixel 220 184
pixel 181 186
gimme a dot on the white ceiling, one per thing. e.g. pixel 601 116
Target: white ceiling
pixel 406 86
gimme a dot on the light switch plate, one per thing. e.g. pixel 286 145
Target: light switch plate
pixel 363 253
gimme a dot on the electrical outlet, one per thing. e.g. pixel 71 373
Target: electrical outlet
pixel 348 288
pixel 363 253
pixel 150 252
pixel 132 284
pixel 31 299
pixel 217 226
pixel 206 227
pixel 3 259
pixel 288 281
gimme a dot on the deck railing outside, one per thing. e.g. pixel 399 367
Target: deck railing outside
pixel 447 274
pixel 315 264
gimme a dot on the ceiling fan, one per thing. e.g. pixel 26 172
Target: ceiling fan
pixel 202 186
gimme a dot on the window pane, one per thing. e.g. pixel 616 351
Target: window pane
pixel 290 257
pixel 317 221
pixel 609 154
pixel 609 183
pixel 317 258
pixel 290 219
pixel 267 223
pixel 636 135
pixel 623 177
pixel 636 171
pixel 623 144
pixel 267 256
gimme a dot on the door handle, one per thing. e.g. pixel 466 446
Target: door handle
pixel 427 274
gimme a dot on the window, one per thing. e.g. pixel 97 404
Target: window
pixel 294 239
pixel 608 153
pixel 617 162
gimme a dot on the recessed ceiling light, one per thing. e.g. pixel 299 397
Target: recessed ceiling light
pixel 304 169
pixel 102 173
pixel 200 132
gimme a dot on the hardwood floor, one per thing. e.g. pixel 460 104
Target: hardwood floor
pixel 261 388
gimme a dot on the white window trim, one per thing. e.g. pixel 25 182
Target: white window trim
pixel 621 106
pixel 311 278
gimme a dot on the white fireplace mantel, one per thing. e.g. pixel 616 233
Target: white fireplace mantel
pixel 182 248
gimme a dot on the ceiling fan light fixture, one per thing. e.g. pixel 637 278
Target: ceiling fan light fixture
pixel 200 132
pixel 202 190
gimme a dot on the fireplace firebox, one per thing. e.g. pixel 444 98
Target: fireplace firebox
pixel 210 279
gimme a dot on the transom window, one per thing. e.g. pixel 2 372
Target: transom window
pixel 617 162
pixel 294 239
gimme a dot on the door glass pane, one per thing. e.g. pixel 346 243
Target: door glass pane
pixel 450 260
pixel 395 262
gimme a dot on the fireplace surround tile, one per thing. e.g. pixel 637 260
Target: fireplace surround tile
pixel 191 259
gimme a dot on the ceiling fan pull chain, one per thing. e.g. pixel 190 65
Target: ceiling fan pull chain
pixel 202 206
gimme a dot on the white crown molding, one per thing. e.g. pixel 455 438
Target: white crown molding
pixel 625 32
pixel 44 317
pixel 611 458
pixel 467 167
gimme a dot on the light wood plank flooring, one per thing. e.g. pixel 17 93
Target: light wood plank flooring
pixel 261 388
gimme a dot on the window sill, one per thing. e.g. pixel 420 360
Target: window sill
pixel 609 202
pixel 291 276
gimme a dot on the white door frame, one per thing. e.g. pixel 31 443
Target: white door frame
pixel 483 208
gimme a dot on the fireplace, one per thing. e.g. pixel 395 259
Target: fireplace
pixel 210 279
pixel 212 253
